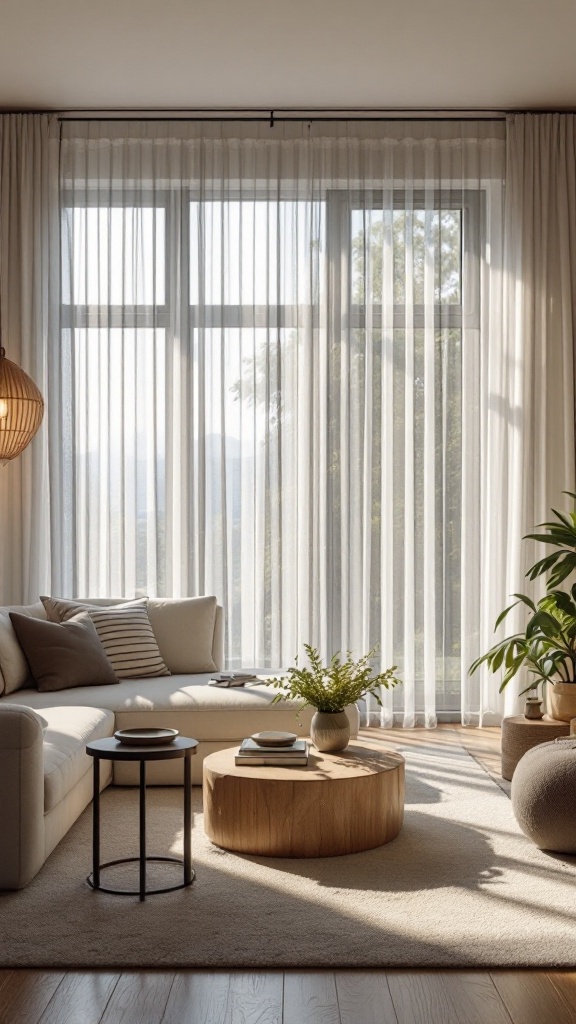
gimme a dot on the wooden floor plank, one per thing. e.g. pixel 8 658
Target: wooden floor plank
pixel 255 998
pixel 198 997
pixel 81 998
pixel 364 998
pixel 474 997
pixel 531 998
pixel 139 998
pixel 421 998
pixel 565 983
pixel 5 975
pixel 310 998
pixel 25 995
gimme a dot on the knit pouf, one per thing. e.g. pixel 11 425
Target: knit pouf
pixel 544 795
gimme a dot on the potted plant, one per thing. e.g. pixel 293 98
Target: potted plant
pixel 330 689
pixel 547 646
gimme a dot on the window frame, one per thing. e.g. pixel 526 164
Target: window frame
pixel 471 203
pixel 85 316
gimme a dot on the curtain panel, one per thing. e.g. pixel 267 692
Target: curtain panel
pixel 29 320
pixel 299 368
pixel 535 372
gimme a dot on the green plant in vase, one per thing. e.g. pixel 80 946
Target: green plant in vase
pixel 330 688
pixel 546 647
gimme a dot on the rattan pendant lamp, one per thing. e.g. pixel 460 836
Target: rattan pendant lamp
pixel 21 404
pixel 21 408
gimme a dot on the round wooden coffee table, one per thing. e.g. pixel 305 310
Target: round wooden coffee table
pixel 340 803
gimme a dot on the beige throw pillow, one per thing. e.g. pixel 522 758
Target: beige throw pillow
pixel 184 629
pixel 63 655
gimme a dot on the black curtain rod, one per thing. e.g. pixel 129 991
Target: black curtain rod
pixel 271 115
pixel 274 120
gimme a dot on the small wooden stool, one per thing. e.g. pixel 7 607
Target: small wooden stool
pixel 520 734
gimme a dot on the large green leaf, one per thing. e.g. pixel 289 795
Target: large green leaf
pixel 563 601
pixel 543 565
pixel 564 567
pixel 503 614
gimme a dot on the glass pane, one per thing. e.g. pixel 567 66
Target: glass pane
pixel 249 401
pixel 404 448
pixel 255 252
pixel 117 255
pixel 120 415
pixel 412 255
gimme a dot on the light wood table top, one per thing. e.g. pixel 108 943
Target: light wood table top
pixel 357 761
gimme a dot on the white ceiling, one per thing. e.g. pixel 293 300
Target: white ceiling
pixel 62 54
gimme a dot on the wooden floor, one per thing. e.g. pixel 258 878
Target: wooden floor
pixel 296 997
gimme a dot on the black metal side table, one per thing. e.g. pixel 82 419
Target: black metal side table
pixel 112 750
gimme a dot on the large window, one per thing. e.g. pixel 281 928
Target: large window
pixel 267 403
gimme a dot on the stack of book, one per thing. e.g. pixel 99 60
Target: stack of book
pixel 253 753
pixel 232 678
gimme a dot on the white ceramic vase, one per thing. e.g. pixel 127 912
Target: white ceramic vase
pixel 330 731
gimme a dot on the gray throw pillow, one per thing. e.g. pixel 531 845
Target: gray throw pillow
pixel 63 655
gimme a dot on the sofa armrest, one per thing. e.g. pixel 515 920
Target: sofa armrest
pixel 21 795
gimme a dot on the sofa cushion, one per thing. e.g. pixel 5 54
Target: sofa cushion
pixel 184 629
pixel 65 758
pixel 183 702
pixel 14 668
pixel 63 655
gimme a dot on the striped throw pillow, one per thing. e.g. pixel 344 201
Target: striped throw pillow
pixel 127 638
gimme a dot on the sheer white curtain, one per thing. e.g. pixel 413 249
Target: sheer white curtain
pixel 274 346
pixel 528 395
pixel 323 371
pixel 29 314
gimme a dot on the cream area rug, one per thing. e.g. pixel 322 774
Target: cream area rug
pixel 460 887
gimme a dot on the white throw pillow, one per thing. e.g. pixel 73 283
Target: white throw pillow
pixel 128 639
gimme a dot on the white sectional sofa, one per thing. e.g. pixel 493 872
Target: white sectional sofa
pixel 45 773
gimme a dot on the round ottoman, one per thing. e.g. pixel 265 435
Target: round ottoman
pixel 544 795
